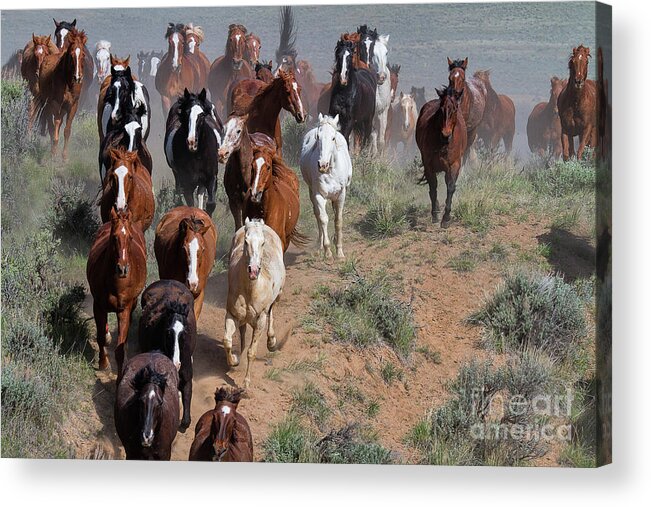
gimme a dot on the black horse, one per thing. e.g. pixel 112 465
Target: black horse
pixel 353 94
pixel 168 324
pixel 367 38
pixel 192 139
pixel 147 407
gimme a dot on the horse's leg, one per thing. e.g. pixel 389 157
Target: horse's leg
pixel 432 181
pixel 189 197
pixel 271 332
pixel 198 304
pixel 185 386
pixel 229 330
pixel 451 183
pixel 382 130
pixel 236 211
pixel 212 186
pixel 584 140
pixel 321 214
pixel 315 207
pixel 258 329
pixel 68 130
pixel 124 320
pixel 338 206
pixel 55 137
pixel 103 335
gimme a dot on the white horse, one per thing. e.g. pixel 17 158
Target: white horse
pixel 382 94
pixel 102 60
pixel 256 276
pixel 327 170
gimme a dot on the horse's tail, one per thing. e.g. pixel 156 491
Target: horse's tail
pixel 297 238
pixel 287 45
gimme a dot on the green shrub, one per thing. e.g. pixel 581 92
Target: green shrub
pixel 18 140
pixel 564 178
pixel 293 134
pixel 72 217
pixel 289 442
pixel 309 401
pixel 346 446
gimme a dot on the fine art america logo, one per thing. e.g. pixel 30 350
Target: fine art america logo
pixel 542 417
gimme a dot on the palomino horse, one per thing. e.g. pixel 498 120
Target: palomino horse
pixel 102 60
pixel 256 276
pixel 168 324
pixel 193 39
pixel 33 55
pixel 185 248
pixel 229 68
pixel 441 136
pixel 192 139
pixel 253 47
pixel 327 170
pixel 147 407
pixel 577 106
pixel 127 185
pixel 473 99
pixel 273 194
pixel 59 88
pixel 499 116
pixel 353 94
pixel 116 272
pixel 403 121
pixel 61 31
pixel 544 124
pixel 178 70
pixel 222 434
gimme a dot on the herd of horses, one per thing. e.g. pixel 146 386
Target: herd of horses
pixel 359 109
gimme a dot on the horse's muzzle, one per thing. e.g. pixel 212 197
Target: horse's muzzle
pixel 147 439
pixel 218 453
pixel 193 145
pixel 300 117
pixel 256 197
pixel 254 272
pixel 237 64
pixel 381 78
pixel 324 167
pixel 223 156
pixel 343 82
pixel 578 83
pixel 122 271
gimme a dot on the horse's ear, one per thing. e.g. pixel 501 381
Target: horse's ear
pixel 127 61
pixel 170 24
pixel 336 120
pixel 55 23
pixel 401 95
pixel 465 63
pixel 202 95
pixel 74 22
pixel 48 41
pixel 183 226
pixel 186 93
pixel 247 221
pixel 450 62
pixel 440 92
pixel 320 117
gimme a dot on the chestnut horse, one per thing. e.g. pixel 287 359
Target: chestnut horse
pixel 441 136
pixel 577 106
pixel 178 69
pixel 229 68
pixel 60 85
pixel 127 185
pixel 33 55
pixel 499 116
pixel 473 99
pixel 116 273
pixel 185 248
pixel 193 39
pixel 252 50
pixel 222 434
pixel 544 124
pixel 61 31
pixel 264 71
pixel 147 407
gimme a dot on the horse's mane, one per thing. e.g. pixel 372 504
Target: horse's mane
pixel 147 375
pixel 197 31
pixel 325 119
pixel 174 28
pixel 287 45
pixel 259 65
pixel 230 394
pixel 77 36
pixel 394 69
pixel 103 44
pixel 456 64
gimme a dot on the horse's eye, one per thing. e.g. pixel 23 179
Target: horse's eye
pixel 239 131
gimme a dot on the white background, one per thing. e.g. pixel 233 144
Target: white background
pixel 627 481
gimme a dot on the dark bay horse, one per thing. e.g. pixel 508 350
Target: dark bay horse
pixel 185 247
pixel 127 185
pixel 577 106
pixel 353 94
pixel 229 68
pixel 441 136
pixel 473 99
pixel 147 407
pixel 222 434
pixel 544 124
pixel 178 69
pixel 116 273
pixel 60 86
pixel 168 324
pixel 498 122
pixel 192 139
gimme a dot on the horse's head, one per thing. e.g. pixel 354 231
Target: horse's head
pixel 133 128
pixel 449 106
pixel 253 246
pixel 193 37
pixel 119 178
pixel 457 76
pixel 264 72
pixel 394 72
pixel 121 234
pixel 120 93
pixel 175 36
pixel 326 137
pixel 76 52
pixel 261 169
pixel 380 58
pixel 236 45
pixel 343 60
pixel 224 420
pixel 234 129
pixel 103 58
pixel 366 45
pixel 142 62
pixel 193 109
pixel 578 65
pixel 305 68
pixel 291 98
pixel 253 47
pixel 175 331
pixel 61 30
pixel 191 231
pixel 154 62
pixel 41 49
pixel 150 388
pixel 555 90
pixel 408 110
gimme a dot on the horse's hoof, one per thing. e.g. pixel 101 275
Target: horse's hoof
pixel 184 426
pixel 340 255
pixel 233 361
pixel 445 223
pixel 271 343
pixel 103 363
pixel 247 383
pixel 108 338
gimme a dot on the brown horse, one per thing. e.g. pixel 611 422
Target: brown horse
pixel 403 122
pixel 473 99
pixel 194 37
pixel 229 68
pixel 499 116
pixel 311 88
pixel 59 88
pixel 147 407
pixel 128 185
pixel 394 71
pixel 264 71
pixel 178 69
pixel 441 136
pixel 273 194
pixel 185 248
pixel 222 434
pixel 577 106
pixel 116 272
pixel 544 124
pixel 33 55
pixel 252 49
